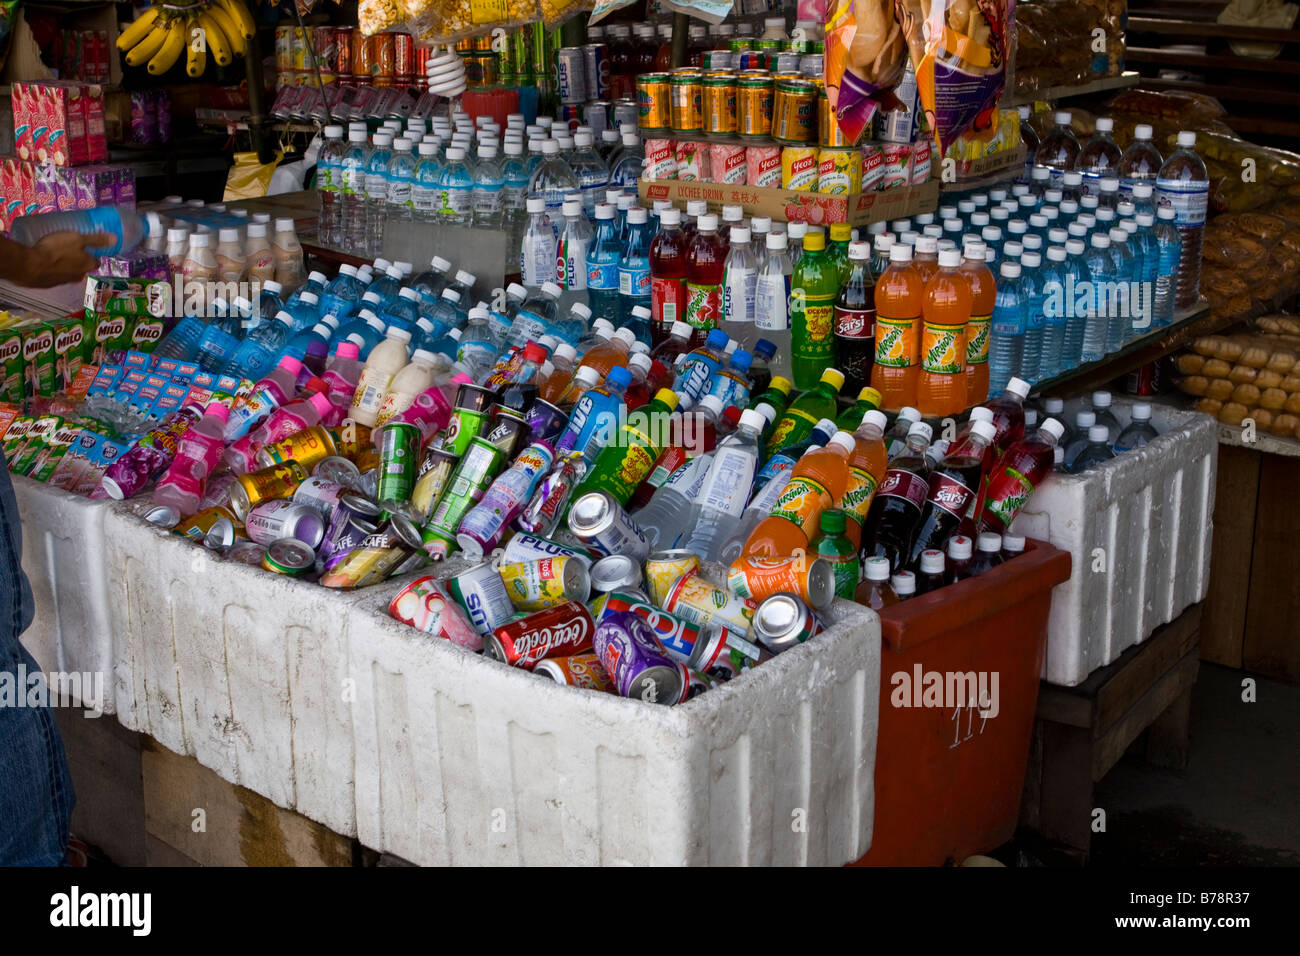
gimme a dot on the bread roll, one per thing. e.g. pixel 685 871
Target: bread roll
pixel 1190 363
pixel 1209 406
pixel 1256 356
pixel 1273 399
pixel 1215 368
pixel 1219 388
pixel 1283 360
pixel 1247 395
pixel 1242 374
pixel 1232 413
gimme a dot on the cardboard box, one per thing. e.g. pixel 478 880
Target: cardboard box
pixel 857 209
pixel 11 366
pixel 971 169
pixel 69 352
pixel 127 298
pixel 38 360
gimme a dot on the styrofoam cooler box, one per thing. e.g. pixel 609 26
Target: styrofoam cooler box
pixel 64 558
pixel 1138 529
pixel 463 760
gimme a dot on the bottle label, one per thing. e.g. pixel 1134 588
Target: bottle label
pixel 846 569
pixel 633 281
pixel 903 484
pixel 802 500
pixel 571 263
pixel 667 300
pixel 977 339
pixel 895 342
pixel 772 303
pixel 950 494
pixel 538 255
pixel 399 193
pixel 858 493
pixel 795 422
pixel 455 201
pixel 603 276
pixel 943 349
pixel 1008 493
pixel 371 389
pixel 818 321
pixel 1189 200
pixel 730 389
pixel 854 323
pixel 217 344
pixel 726 489
pixel 425 198
pixel 486 200
pixel 377 187
pixel 670 461
pixel 738 295
pixel 774 466
pixel 703 305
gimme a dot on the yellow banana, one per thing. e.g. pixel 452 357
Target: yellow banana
pixel 217 41
pixel 170 51
pixel 229 29
pixel 138 30
pixel 196 61
pixel 239 13
pixel 143 51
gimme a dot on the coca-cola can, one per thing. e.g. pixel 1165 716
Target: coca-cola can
pixel 1144 380
pixel 635 660
pixel 426 606
pixel 560 631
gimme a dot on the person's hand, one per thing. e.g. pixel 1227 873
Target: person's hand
pixel 62 257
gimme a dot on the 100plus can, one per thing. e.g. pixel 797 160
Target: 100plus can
pixel 635 660
pixel 599 522
pixel 531 547
pixel 426 606
pixel 595 60
pixel 399 457
pixel 482 593
pixel 288 556
pixel 560 631
pixel 534 585
pixel 571 75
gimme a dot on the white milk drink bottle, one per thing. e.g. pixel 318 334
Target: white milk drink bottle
pixel 386 359
pixel 288 255
pixel 415 378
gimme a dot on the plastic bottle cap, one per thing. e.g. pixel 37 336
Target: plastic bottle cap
pixel 570 208
pixel 986 430
pixel 1118 235
pixel 898 252
pixel 641 361
pixel 776 240
pixel 1010 270
pixel 740 235
pixel 669 217
pixel 1141 411
pixel 218 410
pixel 310 298
pixel 904 582
pixel 755 419
pixel 1098 433
pixel 926 244
pixel 921 429
pixel 796 230
pixel 767 411
pixel 1186 139
pixel 406 292
pixel 399 333
pixel 198 240
pixel 875 417
pixel 877 569
pixel 636 216
pixel 1030 260
pixel 989 542
pixel 949 258
pixel 1015 543
pixel 452 296
pixel 1062 118
pixel 424 356
pixel 549 148
pixel 587 375
pixel 844 440
pixel 627 335
pixel 1056 253
pixel 932 561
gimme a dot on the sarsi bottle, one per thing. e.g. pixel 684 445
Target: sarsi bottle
pixel 855 320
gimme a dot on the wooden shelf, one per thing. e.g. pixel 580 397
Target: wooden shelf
pixel 1196 28
pixel 1051 93
pixel 1264 443
pixel 1201 61
pixel 1290 97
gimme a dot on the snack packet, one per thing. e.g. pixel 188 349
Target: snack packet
pixel 865 57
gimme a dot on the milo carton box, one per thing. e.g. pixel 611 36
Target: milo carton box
pixel 38 360
pixel 69 352
pixel 102 336
pixel 55 448
pixel 16 436
pixel 146 333
pixel 38 439
pixel 11 366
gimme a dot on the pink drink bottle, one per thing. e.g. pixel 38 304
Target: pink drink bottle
pixel 431 411
pixel 135 468
pixel 181 486
pixel 341 377
pixel 267 395
pixel 286 420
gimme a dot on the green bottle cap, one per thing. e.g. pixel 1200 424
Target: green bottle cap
pixel 832 521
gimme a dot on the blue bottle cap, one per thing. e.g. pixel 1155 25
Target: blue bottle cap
pixel 619 376
pixel 765 349
pixel 717 340
pixel 741 360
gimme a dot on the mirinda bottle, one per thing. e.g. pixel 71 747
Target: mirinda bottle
pixel 983 290
pixel 925 257
pixel 898 330
pixel 817 483
pixel 868 463
pixel 945 310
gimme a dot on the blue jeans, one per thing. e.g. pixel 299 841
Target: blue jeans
pixel 35 787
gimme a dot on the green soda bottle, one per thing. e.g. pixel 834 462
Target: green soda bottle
pixel 777 394
pixel 629 457
pixel 798 420
pixel 834 545
pixel 838 250
pixel 813 289
pixel 868 401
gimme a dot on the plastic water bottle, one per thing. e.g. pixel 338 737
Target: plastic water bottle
pixel 1010 319
pixel 305 311
pixel 329 185
pixel 1141 162
pixel 626 170
pixel 1101 273
pixel 1052 285
pixel 1139 431
pixel 401 181
pixel 536 315
pixel 668 512
pixel 592 173
pixel 377 191
pixel 551 180
pixel 638 323
pixel 1095 452
pixel 537 251
pixel 260 349
pixel 315 284
pixel 343 292
pixel 402 309
pixel 432 280
pixel 571 252
pixel 1184 185
pixel 1031 289
pixel 634 266
pixel 602 265
pixel 1058 151
pixel 445 313
pixel 721 500
pixel 352 221
pixel 1120 327
pixel 765 499
pixel 129 227
pixel 1099 158
pixel 477 349
pixel 220 339
pixel 739 288
pixel 456 184
pixel 574 326
pixel 489 181
pixel 1077 309
pixel 1169 249
pixel 426 195
pixel 514 191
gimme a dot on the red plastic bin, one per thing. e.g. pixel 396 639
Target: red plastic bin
pixel 948 782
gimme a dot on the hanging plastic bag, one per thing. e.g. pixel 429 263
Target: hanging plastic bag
pixel 249 178
pixel 865 57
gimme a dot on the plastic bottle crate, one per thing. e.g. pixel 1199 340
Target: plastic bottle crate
pixel 1138 529
pixel 948 781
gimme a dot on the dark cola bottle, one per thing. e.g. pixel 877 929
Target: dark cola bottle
pixel 896 509
pixel 855 320
pixel 953 485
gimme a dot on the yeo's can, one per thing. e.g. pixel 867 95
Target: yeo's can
pixel 426 606
pixel 799 168
pixel 197 525
pixel 482 593
pixel 599 522
pixel 636 662
pixel 794 111
pixel 534 585
pixel 695 599
pixel 782 621
pixel 288 556
pixel 308 448
pixel 718 103
pixel 399 457
pixel 579 670
pixel 663 569
pixel 560 631
pixel 839 172
pixel 277 481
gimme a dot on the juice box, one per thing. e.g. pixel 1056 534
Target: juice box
pixel 76 460
pixel 8 412
pixel 105 339
pixel 55 448
pixel 23 144
pixel 76 391
pixel 99 456
pixel 69 352
pixel 95 186
pixel 92 103
pixel 38 438
pixel 38 360
pixel 11 366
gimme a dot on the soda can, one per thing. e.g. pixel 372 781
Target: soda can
pixel 552 495
pixel 469 482
pixel 539 48
pixel 839 172
pixel 560 631
pixel 399 456
pixel 220 536
pixel 694 684
pixel 422 56
pixel 636 662
pixel 288 556
pixel 350 440
pixel 571 75
pixel 660 159
pixel 616 572
pixel 530 547
pixel 520 55
pixel 695 599
pixel 321 494
pixel 546 582
pixel 580 670
pixel 486 523
pixel 682 639
pixel 343 45
pixel 246 552
pixel 435 470
pixel 597 116
pixel 507 431
pixel 718 104
pixel 322 44
pixel 799 168
pixel 308 448
pixel 686 100
pixel 273 520
pixel 197 525
pixel 545 421
pixel 377 557
pixel 654 109
pixel 162 516
pixel 663 569
pixel 600 523
pixel 353 519
pixel 595 61
pixel 481 592
pixel 763 166
pixel 783 620
pixel 724 654
pixel 284 48
pixel 1143 381
pixel 468 416
pixel 426 606
pixel 338 470
pixel 383 70
pixel 404 58
pixel 362 57
pixel 759 578
pixel 266 484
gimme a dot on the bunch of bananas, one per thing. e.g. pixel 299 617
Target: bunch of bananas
pixel 158 36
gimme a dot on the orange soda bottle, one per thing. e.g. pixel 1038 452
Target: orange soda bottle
pixel 945 310
pixel 983 290
pixel 868 463
pixel 925 256
pixel 608 354
pixel 817 482
pixel 898 330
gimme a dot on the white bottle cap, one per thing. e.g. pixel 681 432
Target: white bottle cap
pixel 1098 433
pixel 776 240
pixel 1030 260
pixel 1062 118
pixel 552 290
pixel 732 213
pixel 708 222
pixel 1011 270
pixel 198 240
pixel 989 542
pixel 587 375
pixel 922 430
pixel 570 208
pixel 842 439
pixel 1085 419
pixel 1018 386
pixel 974 249
pixel 1101 399
pixel 875 417
pixel 986 430
pixel 904 583
pixel 1142 131
pixel 948 258
pixel 1014 543
pixel 1186 139
pixel 451 295
pixel 981 414
pixel 1100 241
pixel 739 234
pixel 712 403
pixel 425 357
pixel 636 216
pixel 627 335
pixel 959 548
pixel 753 418
pixel 1105 124
pixel 931 562
pixel 1117 234
pixel 1141 411
pixel 680 328
pixel 399 333
pixel 877 569
pixel 899 252
pixel 179 235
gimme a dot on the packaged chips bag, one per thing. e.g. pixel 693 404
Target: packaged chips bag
pixel 960 49
pixel 866 53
